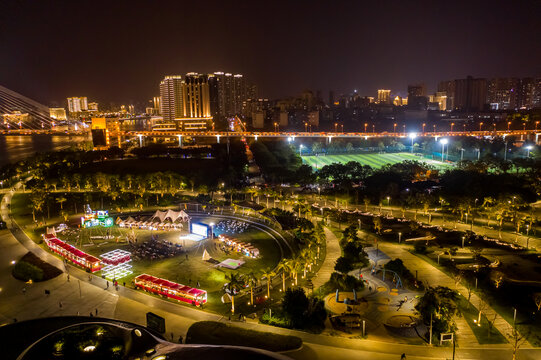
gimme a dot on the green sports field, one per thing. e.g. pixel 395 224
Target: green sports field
pixel 374 160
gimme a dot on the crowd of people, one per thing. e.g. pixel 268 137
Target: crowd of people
pixel 232 226
pixel 155 249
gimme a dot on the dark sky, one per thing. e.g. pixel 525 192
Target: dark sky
pixel 119 50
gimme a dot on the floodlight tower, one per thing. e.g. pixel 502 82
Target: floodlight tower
pixel 443 143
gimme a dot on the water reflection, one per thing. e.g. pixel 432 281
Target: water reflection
pixel 14 148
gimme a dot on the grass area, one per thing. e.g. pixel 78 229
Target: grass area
pixel 188 270
pixel 217 333
pixel 31 267
pixel 482 331
pixel 374 160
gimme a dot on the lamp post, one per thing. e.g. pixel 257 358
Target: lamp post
pixel 335 126
pixel 412 137
pixel 443 143
pixel 480 126
pixel 399 237
pixel 424 127
pixel 536 123
pixel 452 124
pixel 434 128
pixel 529 147
pixel 305 126
pixel 300 149
pixel 389 205
pixel 394 127
pixel 404 128
pixel 508 125
pixel 365 126
pixel 461 154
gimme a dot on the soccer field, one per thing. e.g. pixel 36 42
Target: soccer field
pixel 374 160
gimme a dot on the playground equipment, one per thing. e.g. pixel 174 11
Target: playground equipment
pixel 96 218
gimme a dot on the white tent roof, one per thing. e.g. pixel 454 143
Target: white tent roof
pixel 171 215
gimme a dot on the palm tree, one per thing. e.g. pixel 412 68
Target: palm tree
pixel 283 266
pixel 268 274
pixel 233 286
pixel 252 279
pixel 61 200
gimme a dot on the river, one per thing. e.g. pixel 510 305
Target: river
pixel 14 148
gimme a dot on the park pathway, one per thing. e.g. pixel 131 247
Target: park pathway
pixel 433 277
pixel 332 252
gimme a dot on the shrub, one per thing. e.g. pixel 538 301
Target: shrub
pixel 32 267
pixel 420 248
pixel 25 271
pixel 217 333
pixel 343 265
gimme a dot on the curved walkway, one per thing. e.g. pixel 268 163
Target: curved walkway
pixel 332 252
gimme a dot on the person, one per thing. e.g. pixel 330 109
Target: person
pixel 107 284
pixel 96 311
pixel 24 291
pixel 403 356
pixel 68 277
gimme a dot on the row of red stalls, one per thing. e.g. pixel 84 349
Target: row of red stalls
pixel 171 290
pixel 71 253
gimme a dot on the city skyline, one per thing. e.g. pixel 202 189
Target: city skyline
pixel 283 50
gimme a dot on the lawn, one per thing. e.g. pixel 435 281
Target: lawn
pixel 374 160
pixel 188 270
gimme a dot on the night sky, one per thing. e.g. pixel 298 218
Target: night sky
pixel 119 51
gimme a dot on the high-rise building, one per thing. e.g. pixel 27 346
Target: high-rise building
pixel 195 96
pixel 58 113
pixel 93 106
pixel 417 99
pixel 525 93
pixel 77 104
pixel 384 96
pixel 502 93
pixel 470 94
pixel 228 92
pixel 448 87
pixel 171 97
pixel 536 98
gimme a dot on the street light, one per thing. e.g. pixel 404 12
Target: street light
pixel 335 126
pixel 480 126
pixel 434 127
pixel 529 147
pixel 424 127
pixel 452 124
pixel 508 125
pixel 394 127
pixel 365 126
pixel 443 143
pixel 536 123
pixel 300 149
pixel 412 137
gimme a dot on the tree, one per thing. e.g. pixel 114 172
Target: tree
pixel 537 299
pixel 61 200
pixel 251 279
pixel 283 266
pixel 303 312
pixel 268 274
pixel 343 265
pixel 37 200
pixel 438 305
pixel 517 339
pixel 233 286
pixel 378 224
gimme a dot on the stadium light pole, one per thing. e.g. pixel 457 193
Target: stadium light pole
pixel 443 143
pixel 412 137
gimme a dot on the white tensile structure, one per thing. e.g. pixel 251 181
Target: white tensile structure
pixel 161 220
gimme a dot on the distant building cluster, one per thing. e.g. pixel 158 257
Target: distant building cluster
pixel 194 101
